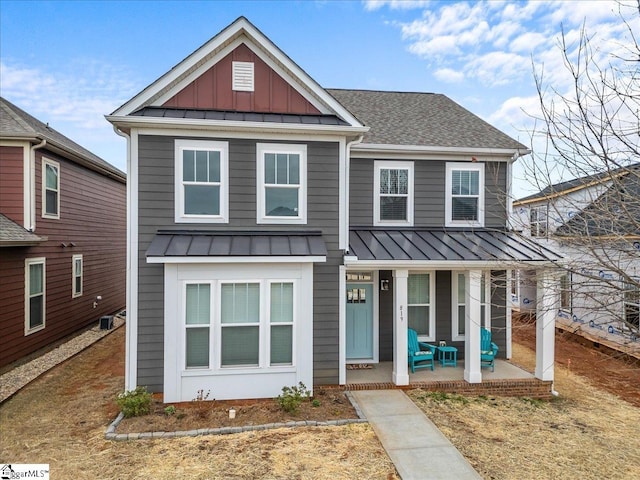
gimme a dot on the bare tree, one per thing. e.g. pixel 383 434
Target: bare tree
pixel 586 165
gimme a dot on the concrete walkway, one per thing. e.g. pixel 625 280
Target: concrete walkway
pixel 417 448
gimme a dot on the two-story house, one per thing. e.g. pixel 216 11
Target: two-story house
pixel 594 222
pixel 280 231
pixel 62 235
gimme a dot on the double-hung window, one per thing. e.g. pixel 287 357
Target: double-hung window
pixel 464 203
pixel 198 325
pixel 201 181
pixel 77 274
pixel 50 189
pixel 281 183
pixel 240 324
pixel 459 290
pixel 281 323
pixel 393 193
pixel 565 292
pixel 632 303
pixel 539 220
pixel 421 312
pixel 35 281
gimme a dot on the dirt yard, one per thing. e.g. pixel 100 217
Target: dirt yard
pixel 586 433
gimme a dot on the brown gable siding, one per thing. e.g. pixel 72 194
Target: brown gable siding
pixel 93 218
pixel 11 183
pixel 212 90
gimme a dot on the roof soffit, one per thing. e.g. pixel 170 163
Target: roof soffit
pixel 239 32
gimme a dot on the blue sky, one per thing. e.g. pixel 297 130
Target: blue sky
pixel 70 63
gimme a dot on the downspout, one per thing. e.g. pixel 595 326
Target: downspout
pixel 347 173
pixel 31 194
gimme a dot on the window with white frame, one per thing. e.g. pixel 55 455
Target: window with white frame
pixel 460 303
pixel 421 313
pixel 50 189
pixel 281 323
pixel 77 275
pixel 632 303
pixel 565 292
pixel 464 202
pixel 201 181
pixel 35 295
pixel 240 324
pixel 281 183
pixel 198 325
pixel 393 193
pixel 539 220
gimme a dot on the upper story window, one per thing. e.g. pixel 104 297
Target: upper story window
pixel 201 181
pixel 393 193
pixel 464 203
pixel 76 276
pixel 281 183
pixel 50 189
pixel 539 220
pixel 35 304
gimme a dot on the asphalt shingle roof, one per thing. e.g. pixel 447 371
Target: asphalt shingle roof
pixel 12 234
pixel 422 119
pixel 16 123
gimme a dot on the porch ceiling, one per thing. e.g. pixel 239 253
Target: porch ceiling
pixel 440 245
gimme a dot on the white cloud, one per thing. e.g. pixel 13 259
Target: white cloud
pixel 449 75
pixel 527 42
pixel 372 5
pixel 497 68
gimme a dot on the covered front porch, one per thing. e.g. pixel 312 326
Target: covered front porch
pixel 446 286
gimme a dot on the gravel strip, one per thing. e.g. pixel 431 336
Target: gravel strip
pixel 15 379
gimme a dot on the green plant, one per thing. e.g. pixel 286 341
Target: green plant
pixel 315 403
pixel 170 410
pixel 292 397
pixel 134 403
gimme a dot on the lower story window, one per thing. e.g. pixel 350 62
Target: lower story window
pixel 198 321
pixel 565 292
pixel 420 309
pixel 460 303
pixel 35 281
pixel 240 324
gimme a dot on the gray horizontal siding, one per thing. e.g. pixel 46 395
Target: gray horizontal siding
pixel 156 211
pixel 429 193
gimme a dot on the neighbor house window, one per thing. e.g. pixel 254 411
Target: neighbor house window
pixel 201 181
pixel 198 324
pixel 464 202
pixel 565 292
pixel 539 221
pixel 421 313
pixel 35 282
pixel 632 303
pixel 282 183
pixel 460 303
pixel 393 193
pixel 50 189
pixel 77 275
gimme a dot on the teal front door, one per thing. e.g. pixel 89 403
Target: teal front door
pixel 359 333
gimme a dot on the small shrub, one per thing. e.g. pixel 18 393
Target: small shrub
pixel 315 403
pixel 292 397
pixel 200 402
pixel 134 403
pixel 170 410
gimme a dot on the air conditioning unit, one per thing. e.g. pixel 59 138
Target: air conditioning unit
pixel 106 322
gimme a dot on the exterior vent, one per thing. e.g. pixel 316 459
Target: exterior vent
pixel 243 76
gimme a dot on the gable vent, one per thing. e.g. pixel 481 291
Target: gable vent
pixel 243 76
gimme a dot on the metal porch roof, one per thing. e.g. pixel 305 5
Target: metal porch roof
pixel 236 244
pixel 446 245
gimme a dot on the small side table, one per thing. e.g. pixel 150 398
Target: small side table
pixel 448 356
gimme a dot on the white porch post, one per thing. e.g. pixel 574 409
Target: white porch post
pixel 400 324
pixel 547 303
pixel 472 373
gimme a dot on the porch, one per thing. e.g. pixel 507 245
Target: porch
pixel 507 380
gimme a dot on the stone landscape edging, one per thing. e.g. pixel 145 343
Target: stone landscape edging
pixel 111 434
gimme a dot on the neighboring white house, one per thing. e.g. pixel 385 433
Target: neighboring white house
pixel 593 221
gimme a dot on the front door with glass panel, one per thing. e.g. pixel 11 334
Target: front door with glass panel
pixel 359 334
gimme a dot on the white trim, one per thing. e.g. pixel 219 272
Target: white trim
pixel 476 167
pixel 455 304
pixel 509 308
pixel 264 134
pixel 245 259
pixel 208 145
pixel 27 295
pixel 432 304
pixel 131 345
pixel 301 151
pixel 392 165
pixel 343 196
pixel 43 180
pixel 342 325
pixel 400 374
pixel 74 274
pixel 236 125
pixel 373 150
pixel 27 197
pixel 472 364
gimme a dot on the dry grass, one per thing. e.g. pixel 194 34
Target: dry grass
pixel 584 434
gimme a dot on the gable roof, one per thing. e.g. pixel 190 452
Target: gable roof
pixel 421 119
pixel 14 235
pixel 241 31
pixel 563 188
pixel 16 124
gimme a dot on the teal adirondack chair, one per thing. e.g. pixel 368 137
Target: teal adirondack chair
pixel 488 350
pixel 421 354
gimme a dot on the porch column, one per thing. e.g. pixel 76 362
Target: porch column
pixel 472 373
pixel 400 325
pixel 547 303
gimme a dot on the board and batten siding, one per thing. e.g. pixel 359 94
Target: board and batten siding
pixel 429 193
pixel 156 211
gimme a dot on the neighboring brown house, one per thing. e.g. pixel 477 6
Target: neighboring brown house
pixel 62 235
